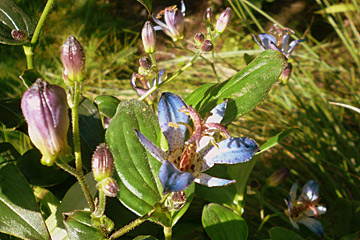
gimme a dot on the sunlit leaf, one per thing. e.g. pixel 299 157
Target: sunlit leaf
pixel 107 105
pixel 273 141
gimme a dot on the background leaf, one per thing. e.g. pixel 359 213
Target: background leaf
pixel 147 4
pixel 20 215
pixel 222 223
pixel 280 233
pixel 245 90
pixel 107 105
pixel 273 141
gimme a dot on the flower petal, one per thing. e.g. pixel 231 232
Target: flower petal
pixel 292 193
pixel 321 210
pixel 310 191
pixel 169 106
pixel 210 181
pixel 154 150
pixel 292 47
pixel 172 179
pixel 230 151
pixel 258 43
pixel 266 39
pixel 314 225
pixel 160 23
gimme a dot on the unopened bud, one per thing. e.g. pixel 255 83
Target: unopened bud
pixel 66 79
pixel 278 177
pixel 73 59
pixel 145 63
pixel 207 46
pixel 102 162
pixel 18 35
pixel 109 187
pixel 285 75
pixel 148 38
pixel 45 109
pixel 208 16
pixel 223 20
pixel 199 39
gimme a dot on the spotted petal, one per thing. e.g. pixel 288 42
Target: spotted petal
pixel 210 181
pixel 310 190
pixel 169 106
pixel 172 179
pixel 230 151
pixel 314 225
pixel 154 150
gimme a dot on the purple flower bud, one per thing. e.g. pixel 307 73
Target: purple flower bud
pixel 148 38
pixel 278 177
pixel 73 59
pixel 45 108
pixel 207 46
pixel 145 63
pixel 102 162
pixel 208 16
pixel 285 75
pixel 223 20
pixel 109 187
pixel 18 35
pixel 199 39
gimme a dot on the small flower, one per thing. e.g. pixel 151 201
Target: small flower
pixel 148 37
pixel 281 43
pixel 223 20
pixel 46 112
pixel 207 46
pixel 185 161
pixel 144 84
pixel 73 59
pixel 305 209
pixel 174 22
pixel 102 162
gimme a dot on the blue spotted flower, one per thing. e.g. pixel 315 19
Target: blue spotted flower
pixel 279 43
pixel 305 209
pixel 185 161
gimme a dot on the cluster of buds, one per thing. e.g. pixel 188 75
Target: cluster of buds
pixel 141 85
pixel 205 45
pixel 45 110
pixel 73 60
pixel 102 166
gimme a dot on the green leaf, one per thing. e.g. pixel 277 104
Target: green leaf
pixel 280 233
pixel 147 4
pixel 147 237
pixel 245 90
pixel 273 141
pixel 12 17
pixel 29 76
pixel 38 174
pixel 78 226
pixel 11 115
pixel 140 188
pixel 337 8
pixel 107 105
pixel 20 215
pixel 222 223
pixel 8 152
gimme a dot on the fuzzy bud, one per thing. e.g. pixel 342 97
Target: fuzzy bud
pixel 148 38
pixel 109 187
pixel 223 20
pixel 207 46
pixel 73 59
pixel 102 162
pixel 278 177
pixel 199 39
pixel 45 109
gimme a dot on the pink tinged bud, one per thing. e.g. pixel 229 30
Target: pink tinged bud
pixel 148 38
pixel 45 110
pixel 278 177
pixel 73 59
pixel 145 63
pixel 208 16
pixel 285 75
pixel 199 39
pixel 223 20
pixel 109 187
pixel 18 35
pixel 207 46
pixel 102 163
pixel 66 78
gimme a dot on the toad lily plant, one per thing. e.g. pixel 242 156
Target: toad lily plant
pixel 185 161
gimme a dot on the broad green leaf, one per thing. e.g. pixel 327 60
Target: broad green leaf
pixel 245 90
pixel 38 174
pixel 78 226
pixel 11 115
pixel 8 152
pixel 107 105
pixel 12 17
pixel 140 188
pixel 147 4
pixel 20 215
pixel 29 76
pixel 273 141
pixel 280 233
pixel 222 223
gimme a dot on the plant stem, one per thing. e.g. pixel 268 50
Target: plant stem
pixel 75 125
pixel 101 207
pixel 29 48
pixel 154 88
pixel 81 179
pixel 167 233
pixel 130 226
